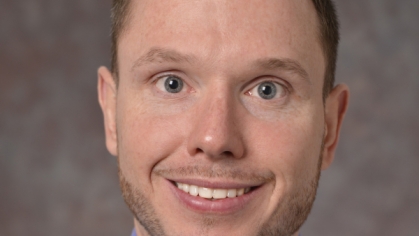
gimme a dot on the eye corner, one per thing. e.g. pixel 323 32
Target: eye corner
pixel 268 90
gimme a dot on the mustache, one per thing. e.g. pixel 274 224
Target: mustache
pixel 216 172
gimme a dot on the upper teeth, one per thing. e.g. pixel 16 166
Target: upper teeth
pixel 210 192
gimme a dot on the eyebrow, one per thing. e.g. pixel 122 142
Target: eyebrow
pixel 282 64
pixel 161 55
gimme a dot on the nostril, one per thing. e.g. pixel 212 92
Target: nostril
pixel 227 154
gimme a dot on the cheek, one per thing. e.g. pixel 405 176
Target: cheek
pixel 144 139
pixel 289 147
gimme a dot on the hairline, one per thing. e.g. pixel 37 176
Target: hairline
pixel 327 43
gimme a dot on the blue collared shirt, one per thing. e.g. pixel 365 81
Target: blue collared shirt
pixel 135 234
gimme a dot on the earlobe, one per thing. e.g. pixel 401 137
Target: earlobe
pixel 335 110
pixel 107 100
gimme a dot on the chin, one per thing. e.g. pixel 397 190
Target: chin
pixel 185 214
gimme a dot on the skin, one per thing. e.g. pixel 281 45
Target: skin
pixel 217 128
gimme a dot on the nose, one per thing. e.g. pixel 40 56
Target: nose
pixel 216 131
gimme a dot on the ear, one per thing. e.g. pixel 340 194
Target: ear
pixel 335 110
pixel 107 99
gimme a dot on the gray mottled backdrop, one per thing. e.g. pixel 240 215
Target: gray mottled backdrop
pixel 56 177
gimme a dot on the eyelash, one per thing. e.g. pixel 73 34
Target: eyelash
pixel 164 77
pixel 284 87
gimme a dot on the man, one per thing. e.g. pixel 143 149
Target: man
pixel 222 113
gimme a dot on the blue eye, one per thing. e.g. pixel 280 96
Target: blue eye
pixel 267 90
pixel 170 83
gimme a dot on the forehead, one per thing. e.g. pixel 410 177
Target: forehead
pixel 225 30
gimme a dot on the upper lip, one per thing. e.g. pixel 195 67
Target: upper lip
pixel 215 184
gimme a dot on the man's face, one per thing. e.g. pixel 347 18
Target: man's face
pixel 220 99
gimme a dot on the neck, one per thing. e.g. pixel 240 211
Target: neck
pixel 142 232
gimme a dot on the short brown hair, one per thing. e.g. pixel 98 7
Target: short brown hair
pixel 329 35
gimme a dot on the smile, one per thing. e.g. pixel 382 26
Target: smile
pixel 211 193
pixel 208 197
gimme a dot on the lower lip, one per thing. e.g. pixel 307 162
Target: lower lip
pixel 220 206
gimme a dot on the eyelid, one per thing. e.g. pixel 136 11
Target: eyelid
pixel 165 74
pixel 161 76
pixel 285 85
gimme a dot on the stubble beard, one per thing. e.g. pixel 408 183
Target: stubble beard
pixel 141 207
pixel 287 219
